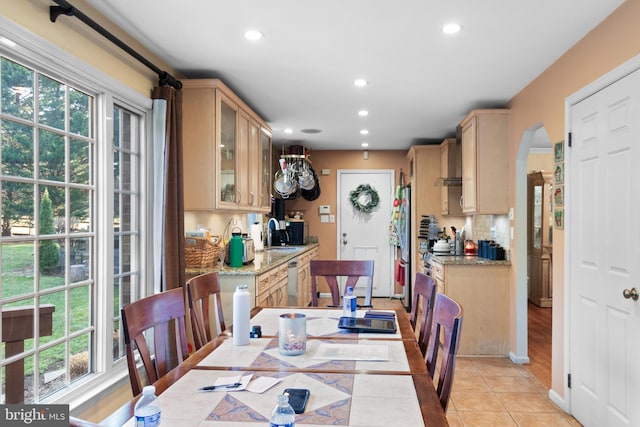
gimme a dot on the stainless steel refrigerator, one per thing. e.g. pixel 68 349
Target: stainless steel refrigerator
pixel 404 236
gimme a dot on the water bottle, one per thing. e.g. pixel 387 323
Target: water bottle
pixel 241 315
pixel 349 303
pixel 146 411
pixel 283 415
pixel 236 249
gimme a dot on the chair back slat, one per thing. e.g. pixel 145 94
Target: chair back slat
pixel 447 323
pixel 201 290
pixel 160 316
pixel 331 270
pixel 424 297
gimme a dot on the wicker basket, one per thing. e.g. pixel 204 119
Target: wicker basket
pixel 200 252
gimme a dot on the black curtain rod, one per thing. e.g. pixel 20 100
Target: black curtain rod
pixel 65 8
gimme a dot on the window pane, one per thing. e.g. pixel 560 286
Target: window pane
pixel 52 102
pixel 80 255
pixel 58 301
pixel 125 251
pixel 116 170
pixel 118 340
pixel 17 209
pixel 17 90
pixel 79 363
pixel 17 149
pixel 52 157
pixel 125 170
pixel 17 269
pixel 17 386
pixel 125 213
pixel 80 107
pixel 18 325
pixel 52 210
pixel 80 210
pixel 80 308
pixel 79 162
pixel 51 264
pixel 51 373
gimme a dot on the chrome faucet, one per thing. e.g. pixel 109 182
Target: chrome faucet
pixel 269 232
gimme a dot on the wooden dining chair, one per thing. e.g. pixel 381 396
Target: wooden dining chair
pixel 331 270
pixel 447 322
pixel 205 307
pixel 162 318
pixel 424 296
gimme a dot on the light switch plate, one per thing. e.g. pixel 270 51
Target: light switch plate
pixel 324 218
pixel 332 218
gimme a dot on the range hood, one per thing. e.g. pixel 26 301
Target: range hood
pixel 454 162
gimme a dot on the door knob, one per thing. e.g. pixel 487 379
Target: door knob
pixel 631 294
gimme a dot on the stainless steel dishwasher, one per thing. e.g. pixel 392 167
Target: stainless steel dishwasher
pixel 293 282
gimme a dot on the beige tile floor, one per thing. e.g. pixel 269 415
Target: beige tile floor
pixel 496 392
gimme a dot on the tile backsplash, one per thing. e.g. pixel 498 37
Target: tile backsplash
pixel 488 227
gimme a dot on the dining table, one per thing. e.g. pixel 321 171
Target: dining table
pixel 355 379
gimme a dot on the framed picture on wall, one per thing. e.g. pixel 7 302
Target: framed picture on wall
pixel 558 151
pixel 558 219
pixel 558 173
pixel 558 195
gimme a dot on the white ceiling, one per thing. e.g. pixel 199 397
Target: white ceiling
pixel 421 81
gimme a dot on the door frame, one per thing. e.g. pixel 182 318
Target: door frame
pixel 391 173
pixel 602 82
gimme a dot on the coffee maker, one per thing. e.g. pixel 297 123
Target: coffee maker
pixel 279 234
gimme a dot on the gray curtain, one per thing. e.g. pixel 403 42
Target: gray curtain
pixel 168 189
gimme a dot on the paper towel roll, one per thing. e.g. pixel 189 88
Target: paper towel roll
pixel 256 235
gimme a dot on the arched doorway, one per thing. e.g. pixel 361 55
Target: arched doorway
pixel 535 153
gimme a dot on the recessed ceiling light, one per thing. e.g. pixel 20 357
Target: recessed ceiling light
pixel 364 132
pixel 365 144
pixel 253 35
pixel 363 113
pixel 288 130
pixel 451 28
pixel 360 82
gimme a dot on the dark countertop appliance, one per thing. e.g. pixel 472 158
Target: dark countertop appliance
pixel 297 232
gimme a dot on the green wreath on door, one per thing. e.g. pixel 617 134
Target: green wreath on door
pixel 364 198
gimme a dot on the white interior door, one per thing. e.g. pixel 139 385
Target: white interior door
pixel 366 235
pixel 603 255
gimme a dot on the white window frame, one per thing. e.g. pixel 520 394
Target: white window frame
pixel 38 53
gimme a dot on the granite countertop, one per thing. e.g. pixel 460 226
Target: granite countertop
pixel 467 260
pixel 264 261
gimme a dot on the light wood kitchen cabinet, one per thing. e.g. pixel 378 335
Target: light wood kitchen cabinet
pixel 485 135
pixel 539 243
pixel 483 293
pixel 303 291
pixel 424 171
pixel 450 194
pixel 272 287
pixel 223 150
pixel 264 196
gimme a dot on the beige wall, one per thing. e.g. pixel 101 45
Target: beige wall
pixel 607 46
pixel 334 160
pixel 70 34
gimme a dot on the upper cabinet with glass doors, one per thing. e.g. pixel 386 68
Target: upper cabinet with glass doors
pixel 224 150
